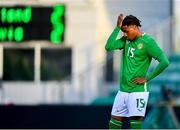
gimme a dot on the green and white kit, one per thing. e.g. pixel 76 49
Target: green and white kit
pixel 130 104
pixel 135 61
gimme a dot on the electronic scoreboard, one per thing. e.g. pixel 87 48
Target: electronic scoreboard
pixel 25 23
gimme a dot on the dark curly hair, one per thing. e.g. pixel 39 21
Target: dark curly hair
pixel 131 20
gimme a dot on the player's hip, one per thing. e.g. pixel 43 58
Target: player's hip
pixel 129 88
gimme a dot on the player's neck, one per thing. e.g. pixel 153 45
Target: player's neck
pixel 139 34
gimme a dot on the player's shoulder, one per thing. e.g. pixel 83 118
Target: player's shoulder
pixel 146 38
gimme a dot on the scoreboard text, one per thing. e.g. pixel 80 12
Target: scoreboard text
pixel 24 23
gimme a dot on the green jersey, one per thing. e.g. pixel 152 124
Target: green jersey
pixel 136 58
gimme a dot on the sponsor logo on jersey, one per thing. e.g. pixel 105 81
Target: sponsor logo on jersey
pixel 140 46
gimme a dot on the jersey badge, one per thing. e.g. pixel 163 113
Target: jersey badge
pixel 140 46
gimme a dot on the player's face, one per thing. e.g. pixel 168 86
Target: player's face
pixel 130 31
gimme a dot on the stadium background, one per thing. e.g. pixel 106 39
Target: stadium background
pixel 55 72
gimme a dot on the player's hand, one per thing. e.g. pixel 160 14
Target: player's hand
pixel 139 80
pixel 120 19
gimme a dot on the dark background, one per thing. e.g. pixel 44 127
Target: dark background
pixel 57 116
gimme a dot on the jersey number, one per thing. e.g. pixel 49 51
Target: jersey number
pixel 131 52
pixel 140 104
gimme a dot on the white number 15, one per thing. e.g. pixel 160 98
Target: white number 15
pixel 131 52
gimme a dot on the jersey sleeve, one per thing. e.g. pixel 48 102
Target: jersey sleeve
pixel 156 52
pixel 113 43
pixel 153 49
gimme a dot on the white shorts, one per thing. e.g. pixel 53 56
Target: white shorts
pixel 130 104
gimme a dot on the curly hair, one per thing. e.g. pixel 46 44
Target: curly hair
pixel 131 20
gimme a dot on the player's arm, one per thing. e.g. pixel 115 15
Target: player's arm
pixel 159 55
pixel 163 63
pixel 112 43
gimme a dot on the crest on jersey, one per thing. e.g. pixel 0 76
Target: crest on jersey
pixel 140 46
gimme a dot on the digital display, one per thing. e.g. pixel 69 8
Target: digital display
pixel 25 23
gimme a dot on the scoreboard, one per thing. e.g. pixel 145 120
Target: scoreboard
pixel 25 23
